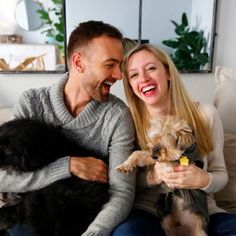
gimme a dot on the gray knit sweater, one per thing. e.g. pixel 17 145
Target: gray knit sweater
pixel 106 127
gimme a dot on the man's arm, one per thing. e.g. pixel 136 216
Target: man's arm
pixel 122 186
pixel 29 181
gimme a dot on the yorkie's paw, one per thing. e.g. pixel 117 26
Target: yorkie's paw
pixel 125 167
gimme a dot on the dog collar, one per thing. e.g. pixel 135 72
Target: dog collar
pixel 184 160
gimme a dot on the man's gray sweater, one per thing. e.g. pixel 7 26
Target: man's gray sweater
pixel 105 127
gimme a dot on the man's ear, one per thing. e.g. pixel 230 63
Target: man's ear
pixel 76 61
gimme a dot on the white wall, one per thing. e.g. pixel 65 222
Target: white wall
pixel 202 18
pixel 200 86
pixel 120 18
pixel 151 23
pixel 226 34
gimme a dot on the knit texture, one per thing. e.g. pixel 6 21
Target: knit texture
pixel 106 127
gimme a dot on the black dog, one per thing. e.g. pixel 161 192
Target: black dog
pixel 66 207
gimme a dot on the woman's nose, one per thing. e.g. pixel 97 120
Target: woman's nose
pixel 143 76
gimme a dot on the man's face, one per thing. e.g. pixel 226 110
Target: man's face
pixel 102 62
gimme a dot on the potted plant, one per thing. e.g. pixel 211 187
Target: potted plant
pixel 53 18
pixel 189 46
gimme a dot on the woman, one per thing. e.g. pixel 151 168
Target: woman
pixel 154 89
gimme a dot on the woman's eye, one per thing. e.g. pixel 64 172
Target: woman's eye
pixel 151 68
pixel 133 76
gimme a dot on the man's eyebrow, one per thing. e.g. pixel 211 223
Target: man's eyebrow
pixel 112 60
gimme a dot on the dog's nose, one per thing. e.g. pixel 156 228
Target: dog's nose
pixel 154 157
pixel 156 152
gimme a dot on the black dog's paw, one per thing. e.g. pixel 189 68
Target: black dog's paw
pixel 8 217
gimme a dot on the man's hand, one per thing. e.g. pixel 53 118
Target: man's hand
pixel 89 168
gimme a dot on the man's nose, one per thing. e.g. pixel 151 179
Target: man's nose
pixel 117 74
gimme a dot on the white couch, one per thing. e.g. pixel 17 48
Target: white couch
pixel 225 102
pixel 5 114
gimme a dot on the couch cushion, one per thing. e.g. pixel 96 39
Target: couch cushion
pixel 225 97
pixel 5 114
pixel 226 199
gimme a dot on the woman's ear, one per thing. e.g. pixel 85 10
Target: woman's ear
pixel 168 77
pixel 168 81
pixel 76 61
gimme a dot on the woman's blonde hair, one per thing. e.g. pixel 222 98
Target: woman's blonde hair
pixel 181 103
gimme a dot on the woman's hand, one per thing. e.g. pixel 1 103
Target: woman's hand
pixel 89 168
pixel 185 177
pixel 154 176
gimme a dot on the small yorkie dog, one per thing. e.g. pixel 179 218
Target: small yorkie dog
pixel 182 211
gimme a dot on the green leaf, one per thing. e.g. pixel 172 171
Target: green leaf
pixel 184 19
pixel 203 58
pixel 59 27
pixel 57 2
pixel 180 30
pixel 55 25
pixel 43 14
pixel 175 24
pixel 59 38
pixel 189 46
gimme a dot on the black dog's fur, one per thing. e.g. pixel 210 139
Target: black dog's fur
pixel 66 207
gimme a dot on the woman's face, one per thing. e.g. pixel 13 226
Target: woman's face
pixel 148 79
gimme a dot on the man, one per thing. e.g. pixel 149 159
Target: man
pixel 81 102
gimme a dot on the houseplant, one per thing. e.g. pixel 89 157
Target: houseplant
pixel 53 19
pixel 189 46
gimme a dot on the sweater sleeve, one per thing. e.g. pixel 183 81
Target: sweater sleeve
pixel 29 181
pixel 122 186
pixel 214 162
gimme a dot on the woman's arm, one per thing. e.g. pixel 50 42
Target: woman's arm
pixel 214 162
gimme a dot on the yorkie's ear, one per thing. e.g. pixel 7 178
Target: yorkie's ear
pixel 185 138
pixel 150 145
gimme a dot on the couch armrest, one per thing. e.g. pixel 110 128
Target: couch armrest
pixel 5 114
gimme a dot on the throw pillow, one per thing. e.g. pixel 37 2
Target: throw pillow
pixel 5 114
pixel 225 97
pixel 226 199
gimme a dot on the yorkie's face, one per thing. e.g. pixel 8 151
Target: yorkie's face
pixel 169 138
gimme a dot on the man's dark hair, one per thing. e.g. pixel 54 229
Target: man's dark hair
pixel 86 31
